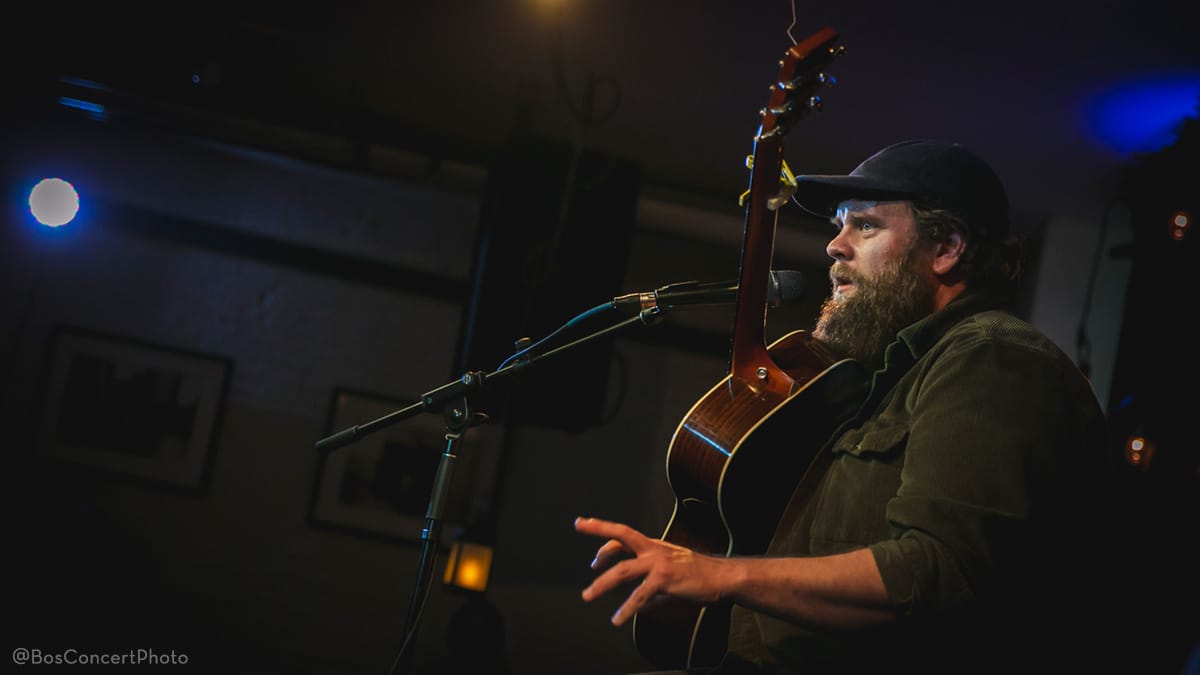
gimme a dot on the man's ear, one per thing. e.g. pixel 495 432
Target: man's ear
pixel 948 252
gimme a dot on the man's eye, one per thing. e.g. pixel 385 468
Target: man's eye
pixel 865 226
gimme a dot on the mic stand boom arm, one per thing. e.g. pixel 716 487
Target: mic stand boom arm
pixel 436 399
pixel 452 399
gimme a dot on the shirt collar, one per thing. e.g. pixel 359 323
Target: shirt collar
pixel 920 337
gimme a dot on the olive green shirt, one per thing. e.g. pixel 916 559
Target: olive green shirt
pixel 972 472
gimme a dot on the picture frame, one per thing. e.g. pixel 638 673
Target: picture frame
pixel 130 407
pixel 379 486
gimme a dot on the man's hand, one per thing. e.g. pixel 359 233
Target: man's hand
pixel 663 568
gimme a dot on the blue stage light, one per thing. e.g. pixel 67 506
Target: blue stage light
pixel 1145 115
pixel 53 202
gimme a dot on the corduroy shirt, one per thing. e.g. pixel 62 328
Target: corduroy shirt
pixel 973 472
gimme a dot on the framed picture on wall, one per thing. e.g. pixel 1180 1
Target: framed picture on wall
pixel 380 485
pixel 132 407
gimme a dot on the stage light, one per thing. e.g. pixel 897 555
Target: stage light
pixel 53 202
pixel 1145 115
pixel 80 104
pixel 85 95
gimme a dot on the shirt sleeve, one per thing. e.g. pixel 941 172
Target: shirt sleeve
pixel 991 421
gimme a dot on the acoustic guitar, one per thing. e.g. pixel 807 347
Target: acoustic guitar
pixel 752 441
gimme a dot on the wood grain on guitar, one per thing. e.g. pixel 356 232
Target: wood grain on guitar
pixel 752 441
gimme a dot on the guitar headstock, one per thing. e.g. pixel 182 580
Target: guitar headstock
pixel 801 75
pixel 793 96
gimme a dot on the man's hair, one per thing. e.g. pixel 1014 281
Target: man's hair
pixel 987 264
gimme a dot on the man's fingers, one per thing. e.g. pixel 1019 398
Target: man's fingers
pixel 621 573
pixel 629 537
pixel 638 600
pixel 622 541
pixel 608 553
pixel 602 528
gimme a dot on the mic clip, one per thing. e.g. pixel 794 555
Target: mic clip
pixel 651 315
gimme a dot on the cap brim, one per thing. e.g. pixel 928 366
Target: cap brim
pixel 820 195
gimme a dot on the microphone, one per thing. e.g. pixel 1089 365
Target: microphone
pixel 782 286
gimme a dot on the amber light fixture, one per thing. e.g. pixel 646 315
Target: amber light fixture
pixel 1180 221
pixel 1139 451
pixel 470 561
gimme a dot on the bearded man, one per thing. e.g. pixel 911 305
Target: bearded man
pixel 948 533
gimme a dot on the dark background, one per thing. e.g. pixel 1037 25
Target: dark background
pixel 546 156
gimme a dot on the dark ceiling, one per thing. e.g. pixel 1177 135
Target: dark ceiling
pixel 674 86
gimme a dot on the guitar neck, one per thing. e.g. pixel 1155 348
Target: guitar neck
pixel 749 352
pixel 749 358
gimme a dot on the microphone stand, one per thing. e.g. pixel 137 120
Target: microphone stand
pixel 452 399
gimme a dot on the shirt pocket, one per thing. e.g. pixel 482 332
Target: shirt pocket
pixel 851 510
pixel 874 444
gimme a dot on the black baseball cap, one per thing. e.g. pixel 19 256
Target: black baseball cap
pixel 932 174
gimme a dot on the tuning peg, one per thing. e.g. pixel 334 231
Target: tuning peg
pixel 815 103
pixel 826 79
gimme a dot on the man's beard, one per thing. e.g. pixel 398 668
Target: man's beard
pixel 861 324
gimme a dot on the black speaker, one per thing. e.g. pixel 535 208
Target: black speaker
pixel 556 226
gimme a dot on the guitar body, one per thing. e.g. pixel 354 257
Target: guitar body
pixel 754 439
pixel 734 462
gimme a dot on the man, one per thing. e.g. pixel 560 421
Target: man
pixel 950 532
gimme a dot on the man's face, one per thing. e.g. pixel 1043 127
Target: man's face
pixel 881 278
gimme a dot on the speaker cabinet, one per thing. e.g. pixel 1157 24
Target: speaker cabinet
pixel 555 232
